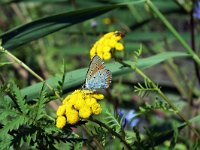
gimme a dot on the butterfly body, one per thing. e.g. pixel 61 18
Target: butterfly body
pixel 98 77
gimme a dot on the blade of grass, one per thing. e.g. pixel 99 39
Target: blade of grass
pixel 44 26
pixel 173 30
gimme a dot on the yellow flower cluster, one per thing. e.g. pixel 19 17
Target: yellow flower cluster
pixel 104 45
pixel 79 104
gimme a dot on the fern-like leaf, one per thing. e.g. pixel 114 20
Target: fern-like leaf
pixel 5 142
pixel 4 103
pixel 60 79
pixel 7 112
pixel 20 100
pixel 38 110
pixel 146 89
pixel 157 104
pixel 112 122
pixel 136 55
pixel 12 125
pixel 41 103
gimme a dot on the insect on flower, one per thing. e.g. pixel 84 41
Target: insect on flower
pixel 98 77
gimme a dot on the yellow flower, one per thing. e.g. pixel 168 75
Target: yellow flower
pixel 90 101
pixel 106 43
pixel 85 112
pixel 60 122
pixel 119 46
pixel 107 56
pixel 68 110
pixel 117 37
pixel 98 96
pixel 96 109
pixel 107 21
pixel 66 99
pixel 106 49
pixel 111 42
pixel 100 54
pixel 72 116
pixel 80 103
pixel 61 110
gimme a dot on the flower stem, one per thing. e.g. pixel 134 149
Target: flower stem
pixel 167 100
pixel 99 145
pixel 174 32
pixel 29 70
pixel 112 132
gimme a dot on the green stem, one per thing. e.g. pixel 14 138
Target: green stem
pixel 173 30
pixel 99 145
pixel 112 132
pixel 167 100
pixel 28 69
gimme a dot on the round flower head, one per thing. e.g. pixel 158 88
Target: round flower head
pixel 85 112
pixel 60 122
pixel 96 109
pixel 72 116
pixel 61 110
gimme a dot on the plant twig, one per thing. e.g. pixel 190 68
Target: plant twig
pixel 28 69
pixel 94 139
pixel 174 32
pixel 168 101
pixel 192 28
pixel 112 132
pixel 163 96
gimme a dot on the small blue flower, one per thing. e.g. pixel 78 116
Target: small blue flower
pixel 128 119
pixel 197 10
pixel 94 24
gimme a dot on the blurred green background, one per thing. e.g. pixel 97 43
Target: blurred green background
pixel 45 33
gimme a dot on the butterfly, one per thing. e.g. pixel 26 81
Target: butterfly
pixel 98 77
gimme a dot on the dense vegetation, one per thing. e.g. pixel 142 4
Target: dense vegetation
pixel 153 99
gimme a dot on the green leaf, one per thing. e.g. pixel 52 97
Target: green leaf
pixel 156 59
pixel 5 63
pixel 112 122
pixel 7 112
pixel 20 99
pixel 14 124
pixel 75 79
pixel 42 27
pixel 38 111
pixel 6 141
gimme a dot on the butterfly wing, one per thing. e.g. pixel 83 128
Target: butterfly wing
pixel 95 65
pixel 97 76
pixel 105 79
pixel 100 80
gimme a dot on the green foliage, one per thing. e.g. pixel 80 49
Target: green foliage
pixel 29 123
pixel 157 104
pixel 144 90
pixel 39 28
pixel 5 63
pixel 114 123
pixel 61 80
pixel 36 35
